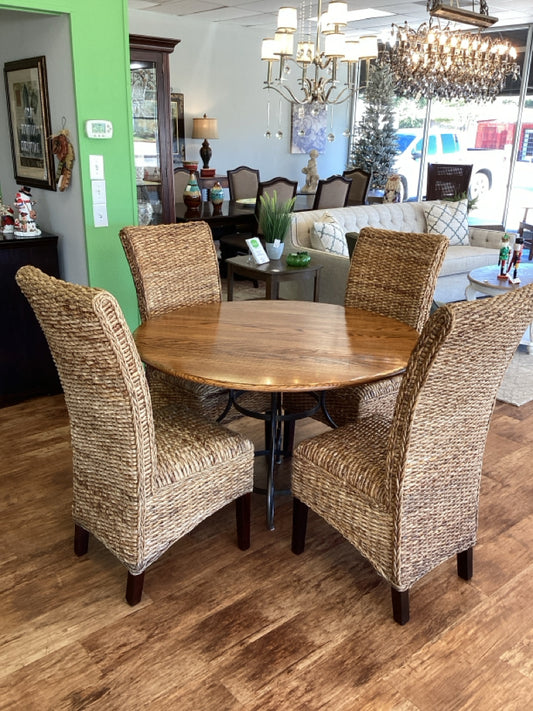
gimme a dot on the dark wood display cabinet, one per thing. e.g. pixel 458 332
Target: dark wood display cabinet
pixel 152 129
pixel 26 366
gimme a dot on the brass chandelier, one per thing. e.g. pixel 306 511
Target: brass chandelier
pixel 320 60
pixel 445 63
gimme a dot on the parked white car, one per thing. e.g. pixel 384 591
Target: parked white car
pixel 443 147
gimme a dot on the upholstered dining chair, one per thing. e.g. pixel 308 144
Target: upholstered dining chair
pixel 332 192
pixel 284 188
pixel 405 490
pixel 446 180
pixel 394 274
pixel 242 182
pixel 142 477
pixel 181 178
pixel 175 266
pixel 358 191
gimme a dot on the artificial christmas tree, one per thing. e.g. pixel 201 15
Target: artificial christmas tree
pixel 376 144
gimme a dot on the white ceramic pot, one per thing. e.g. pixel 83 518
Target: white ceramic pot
pixel 274 251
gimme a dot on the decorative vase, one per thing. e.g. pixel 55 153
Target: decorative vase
pixel 146 212
pixel 217 194
pixel 274 250
pixel 192 196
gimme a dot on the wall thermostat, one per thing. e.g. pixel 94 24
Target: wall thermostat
pixel 99 128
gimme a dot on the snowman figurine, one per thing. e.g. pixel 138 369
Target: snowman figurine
pixel 25 223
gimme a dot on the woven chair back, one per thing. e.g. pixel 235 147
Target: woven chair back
pixel 172 266
pixel 442 417
pixel 242 182
pixel 358 191
pixel 332 192
pixel 395 273
pixel 105 391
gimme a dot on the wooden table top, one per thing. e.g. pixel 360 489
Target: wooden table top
pixel 275 346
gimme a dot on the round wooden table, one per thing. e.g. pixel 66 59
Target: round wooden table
pixel 275 347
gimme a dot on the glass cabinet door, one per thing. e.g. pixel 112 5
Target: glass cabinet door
pixel 146 142
pixel 152 136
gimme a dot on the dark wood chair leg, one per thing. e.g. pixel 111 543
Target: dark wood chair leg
pixel 134 588
pixel 81 540
pixel 288 437
pixel 400 606
pixel 299 525
pixel 465 564
pixel 242 509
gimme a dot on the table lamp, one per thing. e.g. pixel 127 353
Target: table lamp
pixel 205 128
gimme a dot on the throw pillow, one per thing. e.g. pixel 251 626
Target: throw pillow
pixel 329 237
pixel 449 219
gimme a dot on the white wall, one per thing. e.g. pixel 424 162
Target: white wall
pixel 219 71
pixel 31 35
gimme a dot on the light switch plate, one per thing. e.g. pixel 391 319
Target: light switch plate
pixel 96 167
pixel 99 195
pixel 100 216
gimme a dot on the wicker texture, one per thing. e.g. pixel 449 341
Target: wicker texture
pixel 394 274
pixel 405 491
pixel 175 266
pixel 141 478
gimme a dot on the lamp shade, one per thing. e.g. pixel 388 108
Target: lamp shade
pixel 368 47
pixel 268 50
pixel 204 127
pixel 287 19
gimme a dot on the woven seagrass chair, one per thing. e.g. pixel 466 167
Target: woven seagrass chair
pixel 142 478
pixel 405 490
pixel 175 266
pixel 359 188
pixel 393 274
pixel 332 192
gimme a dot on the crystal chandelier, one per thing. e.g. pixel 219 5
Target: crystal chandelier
pixel 319 60
pixel 444 63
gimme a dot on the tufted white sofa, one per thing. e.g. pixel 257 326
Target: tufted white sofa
pixel 405 217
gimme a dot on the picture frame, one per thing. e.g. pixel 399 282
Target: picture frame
pixel 177 118
pixel 29 122
pixel 308 127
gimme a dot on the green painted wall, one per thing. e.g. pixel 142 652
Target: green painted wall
pixel 100 51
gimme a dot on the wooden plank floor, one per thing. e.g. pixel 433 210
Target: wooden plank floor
pixel 221 629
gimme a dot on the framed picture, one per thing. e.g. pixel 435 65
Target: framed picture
pixel 177 115
pixel 308 127
pixel 29 122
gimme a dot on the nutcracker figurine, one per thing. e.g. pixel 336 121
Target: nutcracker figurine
pixel 505 251
pixel 515 259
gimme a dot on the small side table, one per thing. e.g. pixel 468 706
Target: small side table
pixel 484 280
pixel 272 273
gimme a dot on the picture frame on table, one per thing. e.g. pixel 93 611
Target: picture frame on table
pixel 29 122
pixel 177 118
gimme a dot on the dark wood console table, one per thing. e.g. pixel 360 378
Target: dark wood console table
pixel 26 366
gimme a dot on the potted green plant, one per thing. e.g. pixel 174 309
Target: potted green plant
pixel 274 222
